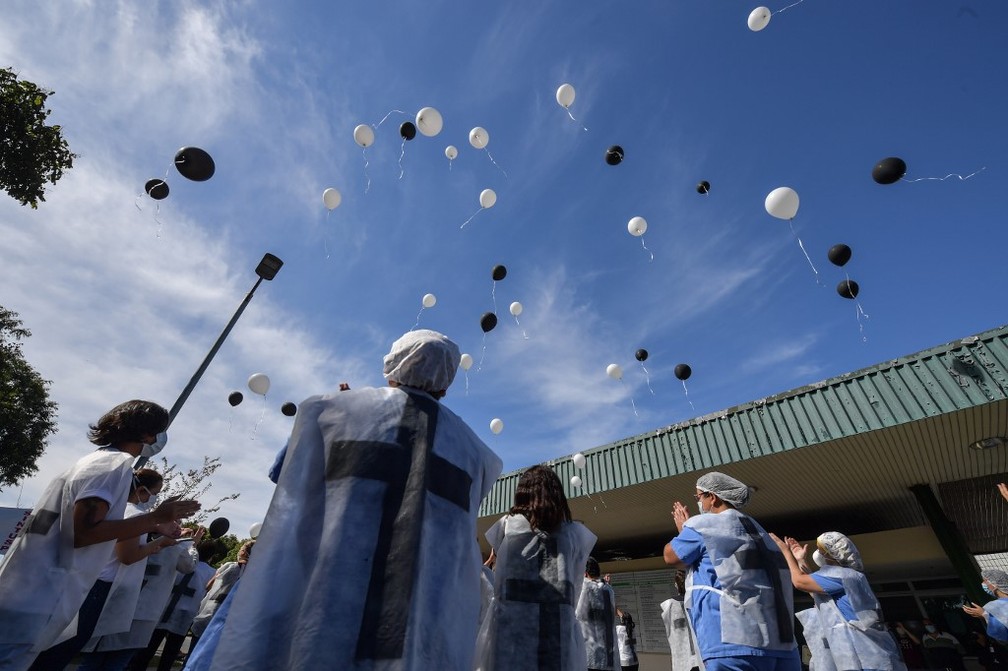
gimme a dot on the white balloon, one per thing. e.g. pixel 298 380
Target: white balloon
pixel 255 529
pixel 488 197
pixel 429 121
pixel 782 203
pixel 614 371
pixel 565 95
pixel 759 18
pixel 364 135
pixel 579 461
pixel 496 425
pixel 451 152
pixel 466 361
pixel 516 308
pixel 637 226
pixel 576 482
pixel 478 137
pixel 258 383
pixel 429 300
pixel 332 198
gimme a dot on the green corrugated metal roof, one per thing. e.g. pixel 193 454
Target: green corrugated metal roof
pixel 962 374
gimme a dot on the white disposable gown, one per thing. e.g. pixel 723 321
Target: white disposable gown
pixel 44 579
pixel 863 643
pixel 185 598
pixel 366 558
pixel 682 640
pixel 532 623
pixel 756 597
pixel 596 613
pixel 154 594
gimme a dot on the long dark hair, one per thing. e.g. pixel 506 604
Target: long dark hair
pixel 539 496
pixel 127 422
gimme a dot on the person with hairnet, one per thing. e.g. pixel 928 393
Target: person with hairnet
pixel 737 593
pixel 845 630
pixel 367 555
pixel 995 612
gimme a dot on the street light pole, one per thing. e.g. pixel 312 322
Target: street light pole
pixel 266 270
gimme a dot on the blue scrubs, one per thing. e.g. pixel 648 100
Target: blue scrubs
pixel 835 590
pixel 705 615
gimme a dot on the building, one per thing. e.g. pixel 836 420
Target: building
pixel 903 456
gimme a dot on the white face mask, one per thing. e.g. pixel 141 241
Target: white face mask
pixel 159 442
pixel 819 559
pixel 145 507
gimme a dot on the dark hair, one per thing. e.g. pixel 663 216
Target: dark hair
pixel 539 496
pixel 627 621
pixel 127 422
pixel 146 477
pixel 209 549
pixel 592 568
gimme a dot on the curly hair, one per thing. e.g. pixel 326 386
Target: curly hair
pixel 539 496
pixel 128 422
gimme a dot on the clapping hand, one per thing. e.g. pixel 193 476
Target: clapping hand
pixel 680 514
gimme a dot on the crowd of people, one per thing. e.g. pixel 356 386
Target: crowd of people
pixel 367 560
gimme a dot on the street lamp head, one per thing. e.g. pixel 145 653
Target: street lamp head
pixel 268 267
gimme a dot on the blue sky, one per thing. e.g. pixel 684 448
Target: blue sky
pixel 124 298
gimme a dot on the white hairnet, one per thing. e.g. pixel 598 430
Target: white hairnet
pixel 726 487
pixel 996 577
pixel 423 359
pixel 841 549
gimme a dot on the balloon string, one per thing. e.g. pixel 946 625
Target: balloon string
pixel 647 376
pixel 366 175
pixel 789 7
pixel 861 313
pixel 524 334
pixel 493 295
pixel 495 163
pixel 645 248
pixel 634 407
pixel 387 116
pixel 325 237
pixel 574 120
pixel 467 382
pixel 802 245
pixel 470 218
pixel 417 320
pixel 157 211
pixel 686 391
pixel 942 179
pixel 450 161
pixel 262 413
pixel 479 366
pixel 401 154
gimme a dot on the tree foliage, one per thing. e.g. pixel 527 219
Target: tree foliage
pixel 192 484
pixel 31 153
pixel 27 415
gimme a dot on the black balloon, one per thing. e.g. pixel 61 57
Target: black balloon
pixel 219 527
pixel 614 155
pixel 889 170
pixel 848 289
pixel 683 371
pixel 156 189
pixel 641 354
pixel 839 254
pixel 235 397
pixel 703 187
pixel 194 163
pixel 488 321
pixel 407 130
pixel 288 409
pixel 498 273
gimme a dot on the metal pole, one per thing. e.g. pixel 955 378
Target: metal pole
pixel 180 401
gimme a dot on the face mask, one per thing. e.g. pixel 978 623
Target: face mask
pixel 159 442
pixel 819 559
pixel 145 507
pixel 988 589
pixel 699 505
